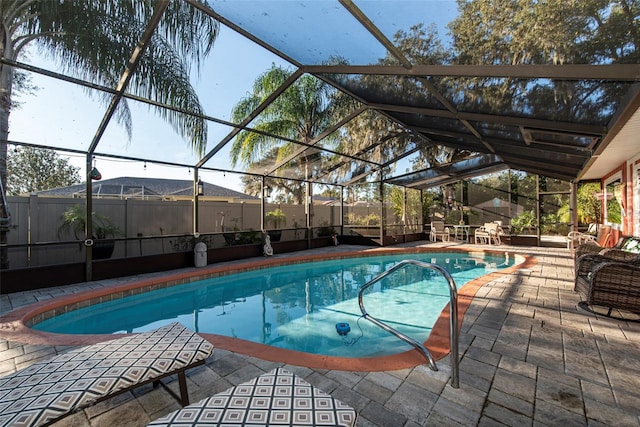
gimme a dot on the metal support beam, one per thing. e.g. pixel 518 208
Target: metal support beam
pixel 573 206
pixel 610 72
pixel 196 202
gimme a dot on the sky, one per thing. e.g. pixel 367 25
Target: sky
pixel 61 114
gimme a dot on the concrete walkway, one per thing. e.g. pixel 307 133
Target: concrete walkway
pixel 529 356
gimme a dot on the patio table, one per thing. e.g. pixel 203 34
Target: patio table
pixel 463 230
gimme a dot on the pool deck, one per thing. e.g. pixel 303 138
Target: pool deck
pixel 529 355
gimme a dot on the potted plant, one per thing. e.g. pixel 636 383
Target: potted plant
pixel 74 220
pixel 276 217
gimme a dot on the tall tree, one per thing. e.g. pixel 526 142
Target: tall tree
pixel 35 169
pixel 300 113
pixel 514 32
pixel 92 39
pixel 380 138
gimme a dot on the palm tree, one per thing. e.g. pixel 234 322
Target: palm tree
pixel 300 113
pixel 92 40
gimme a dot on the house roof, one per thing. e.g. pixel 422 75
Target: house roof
pixel 132 187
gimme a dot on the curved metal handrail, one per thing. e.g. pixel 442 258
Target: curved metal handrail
pixel 453 315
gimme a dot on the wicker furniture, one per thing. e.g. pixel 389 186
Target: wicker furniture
pixel 602 280
pixel 624 249
pixel 277 398
pixel 52 389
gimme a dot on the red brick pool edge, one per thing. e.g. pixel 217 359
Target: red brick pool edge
pixel 14 326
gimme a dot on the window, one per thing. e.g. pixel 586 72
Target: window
pixel 613 193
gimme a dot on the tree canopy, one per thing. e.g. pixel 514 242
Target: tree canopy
pixel 35 169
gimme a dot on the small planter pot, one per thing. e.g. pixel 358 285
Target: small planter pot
pixel 103 250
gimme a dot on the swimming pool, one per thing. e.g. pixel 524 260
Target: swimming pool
pixel 296 306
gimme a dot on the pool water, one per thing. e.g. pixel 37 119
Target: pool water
pixel 297 306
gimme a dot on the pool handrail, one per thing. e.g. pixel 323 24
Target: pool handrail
pixel 453 316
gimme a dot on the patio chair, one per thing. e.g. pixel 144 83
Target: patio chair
pixel 488 234
pixel 438 229
pixel 615 285
pixel 590 244
pixel 585 264
pixel 624 249
pixel 576 238
pixel 52 389
pixel 277 398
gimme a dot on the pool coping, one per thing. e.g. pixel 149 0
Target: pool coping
pixel 14 326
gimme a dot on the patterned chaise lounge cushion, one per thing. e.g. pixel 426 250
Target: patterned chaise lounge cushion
pixel 277 398
pixel 50 389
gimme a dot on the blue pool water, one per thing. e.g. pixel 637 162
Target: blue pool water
pixel 296 306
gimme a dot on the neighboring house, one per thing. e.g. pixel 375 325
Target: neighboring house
pixel 148 189
pixel 498 210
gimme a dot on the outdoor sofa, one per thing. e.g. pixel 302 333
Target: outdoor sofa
pixel 52 389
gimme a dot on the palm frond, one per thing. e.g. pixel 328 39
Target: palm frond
pixel 92 40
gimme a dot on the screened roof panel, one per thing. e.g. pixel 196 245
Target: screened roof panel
pixel 373 137
pixel 592 102
pixel 56 127
pixel 383 89
pixel 400 15
pixel 297 171
pixel 309 32
pixel 497 130
pixel 226 75
pixel 310 164
pixel 536 136
pixel 417 92
pixel 452 172
pixel 305 111
pixel 442 124
pixel 405 164
pixel 345 171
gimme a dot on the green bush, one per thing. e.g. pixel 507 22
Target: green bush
pixel 524 223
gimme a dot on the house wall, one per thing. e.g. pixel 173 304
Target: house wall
pixel 630 175
pixel 633 199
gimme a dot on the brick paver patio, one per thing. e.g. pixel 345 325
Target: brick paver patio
pixel 529 356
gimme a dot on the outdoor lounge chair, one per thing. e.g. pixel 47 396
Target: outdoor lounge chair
pixel 590 244
pixel 438 229
pixel 615 285
pixel 488 234
pixel 52 389
pixel 576 238
pixel 277 398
